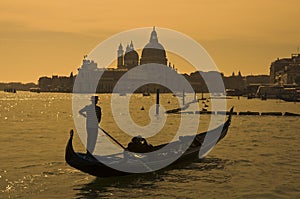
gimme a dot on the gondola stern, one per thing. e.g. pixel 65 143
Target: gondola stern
pixel 69 148
pixel 226 125
pixel 230 116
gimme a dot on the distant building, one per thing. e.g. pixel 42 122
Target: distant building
pixel 240 85
pixel 56 83
pixel 235 82
pixel 257 79
pixel 153 52
pixel 285 71
pixel 17 86
pixel 289 75
pixel 253 82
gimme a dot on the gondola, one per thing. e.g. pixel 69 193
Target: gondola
pixel 145 94
pixel 96 168
pixel 289 99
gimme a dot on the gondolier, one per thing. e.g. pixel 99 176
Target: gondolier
pixel 92 113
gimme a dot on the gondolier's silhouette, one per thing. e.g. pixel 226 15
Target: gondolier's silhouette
pixel 92 113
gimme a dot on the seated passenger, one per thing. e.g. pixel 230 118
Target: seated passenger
pixel 139 144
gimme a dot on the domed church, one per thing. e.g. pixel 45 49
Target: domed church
pixel 153 52
pixel 128 58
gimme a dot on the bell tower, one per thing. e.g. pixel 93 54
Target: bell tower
pixel 120 56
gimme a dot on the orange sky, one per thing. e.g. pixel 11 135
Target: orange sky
pixel 50 37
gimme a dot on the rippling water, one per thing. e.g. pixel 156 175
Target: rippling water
pixel 259 158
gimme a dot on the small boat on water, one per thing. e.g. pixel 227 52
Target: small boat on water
pixel 289 99
pixel 179 94
pixel 94 167
pixel 145 94
pixel 35 90
pixel 219 96
pixel 10 90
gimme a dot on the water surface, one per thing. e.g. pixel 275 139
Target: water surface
pixel 259 158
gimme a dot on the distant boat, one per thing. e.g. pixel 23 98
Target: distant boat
pixel 10 90
pixel 272 92
pixel 289 99
pixel 233 92
pixel 218 96
pixel 94 167
pixel 178 94
pixel 35 90
pixel 264 97
pixel 250 96
pixel 146 94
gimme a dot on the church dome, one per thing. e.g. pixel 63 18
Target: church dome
pixel 131 57
pixel 153 52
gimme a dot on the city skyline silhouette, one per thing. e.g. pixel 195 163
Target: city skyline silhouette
pixel 42 39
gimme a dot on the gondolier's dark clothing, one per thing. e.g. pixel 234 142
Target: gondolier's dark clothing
pixel 93 115
pixel 93 118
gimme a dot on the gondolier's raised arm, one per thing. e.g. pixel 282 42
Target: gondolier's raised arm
pixel 81 112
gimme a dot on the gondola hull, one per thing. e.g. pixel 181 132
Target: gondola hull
pixel 96 168
pixel 290 99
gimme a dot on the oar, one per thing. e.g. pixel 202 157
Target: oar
pixel 116 141
pixel 131 154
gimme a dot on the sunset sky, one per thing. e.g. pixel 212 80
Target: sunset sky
pixel 42 38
